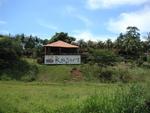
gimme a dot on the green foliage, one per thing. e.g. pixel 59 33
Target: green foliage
pixel 129 44
pixel 62 36
pixel 5 77
pixel 104 57
pixel 10 51
pixel 106 75
pixel 55 73
pixel 148 58
pixel 31 74
pixel 71 98
pixel 21 70
pixel 89 72
pixel 121 100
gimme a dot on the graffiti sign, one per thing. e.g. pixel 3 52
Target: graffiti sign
pixel 62 59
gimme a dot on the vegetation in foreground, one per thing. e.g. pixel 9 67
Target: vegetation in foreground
pixel 19 97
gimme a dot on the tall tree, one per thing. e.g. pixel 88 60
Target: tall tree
pixel 109 44
pixel 130 43
pixel 62 36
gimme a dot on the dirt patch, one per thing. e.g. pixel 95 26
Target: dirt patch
pixel 76 74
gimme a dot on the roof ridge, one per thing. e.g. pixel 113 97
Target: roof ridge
pixel 61 43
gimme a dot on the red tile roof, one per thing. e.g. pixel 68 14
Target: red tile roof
pixel 61 44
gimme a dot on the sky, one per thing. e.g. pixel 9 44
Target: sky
pixel 83 19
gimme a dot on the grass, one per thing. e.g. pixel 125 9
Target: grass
pixel 55 73
pixel 52 73
pixel 55 92
pixel 90 73
pixel 27 97
pixel 35 97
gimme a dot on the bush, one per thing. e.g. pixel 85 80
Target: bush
pixel 105 75
pixel 146 65
pixel 31 75
pixel 121 75
pixel 21 70
pixel 148 58
pixel 104 57
pixel 89 72
pixel 40 60
pixel 5 77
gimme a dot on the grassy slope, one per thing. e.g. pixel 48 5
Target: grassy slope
pixel 53 73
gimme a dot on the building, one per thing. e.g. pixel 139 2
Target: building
pixel 60 52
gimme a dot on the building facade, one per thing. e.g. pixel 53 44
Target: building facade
pixel 60 52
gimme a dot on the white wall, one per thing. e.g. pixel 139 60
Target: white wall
pixel 62 59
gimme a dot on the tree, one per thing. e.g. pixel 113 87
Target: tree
pixel 62 36
pixel 30 43
pixel 100 44
pixel 82 43
pixel 10 52
pixel 119 41
pixel 133 32
pixel 130 43
pixel 104 57
pixel 109 44
pixel 147 43
pixel 45 41
pixel 91 44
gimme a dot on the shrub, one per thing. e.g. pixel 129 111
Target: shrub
pixel 121 75
pixel 40 60
pixel 21 70
pixel 104 57
pixel 89 71
pixel 31 75
pixel 148 58
pixel 105 75
pixel 5 77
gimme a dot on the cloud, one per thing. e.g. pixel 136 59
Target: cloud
pixel 73 12
pixel 46 25
pixel 87 35
pixel 140 19
pixel 2 22
pixel 105 4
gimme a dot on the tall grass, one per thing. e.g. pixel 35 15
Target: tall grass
pixel 71 98
pixel 129 100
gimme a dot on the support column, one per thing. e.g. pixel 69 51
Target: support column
pixel 78 50
pixel 60 51
pixel 45 50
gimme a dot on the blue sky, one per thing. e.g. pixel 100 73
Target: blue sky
pixel 83 19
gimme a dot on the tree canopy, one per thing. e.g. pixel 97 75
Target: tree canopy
pixel 62 36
